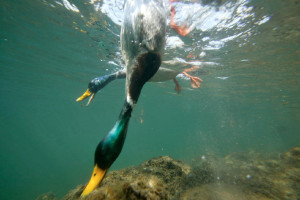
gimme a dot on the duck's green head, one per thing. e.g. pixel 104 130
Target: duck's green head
pixel 109 149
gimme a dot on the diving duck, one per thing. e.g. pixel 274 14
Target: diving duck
pixel 142 42
pixel 163 74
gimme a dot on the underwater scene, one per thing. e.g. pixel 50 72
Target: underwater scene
pixel 223 123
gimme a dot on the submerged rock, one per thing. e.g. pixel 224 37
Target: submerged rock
pixel 220 192
pixel 156 179
pixel 238 176
pixel 47 196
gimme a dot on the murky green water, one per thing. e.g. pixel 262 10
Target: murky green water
pixel 248 53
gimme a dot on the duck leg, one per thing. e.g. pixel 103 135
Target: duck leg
pixel 177 86
pixel 195 81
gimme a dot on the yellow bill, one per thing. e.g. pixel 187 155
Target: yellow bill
pixel 97 176
pixel 85 95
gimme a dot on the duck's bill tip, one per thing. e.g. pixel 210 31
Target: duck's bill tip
pixel 90 99
pixel 96 178
pixel 85 95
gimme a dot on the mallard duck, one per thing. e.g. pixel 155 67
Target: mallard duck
pixel 142 43
pixel 163 74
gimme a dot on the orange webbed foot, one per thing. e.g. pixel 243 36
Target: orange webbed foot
pixel 195 81
pixel 181 30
